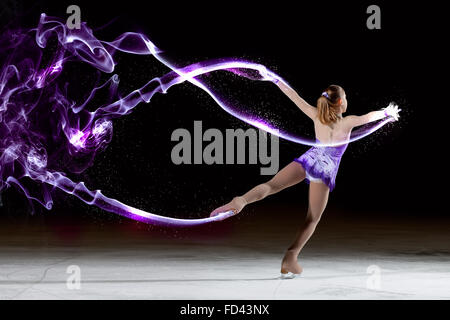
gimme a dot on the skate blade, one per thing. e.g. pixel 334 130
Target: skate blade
pixel 289 275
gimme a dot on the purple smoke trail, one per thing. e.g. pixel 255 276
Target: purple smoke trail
pixel 44 134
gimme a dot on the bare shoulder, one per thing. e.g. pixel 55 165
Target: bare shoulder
pixel 315 119
pixel 349 118
pixel 350 121
pixel 314 113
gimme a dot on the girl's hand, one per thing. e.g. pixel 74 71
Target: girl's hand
pixel 267 75
pixel 392 110
pixel 235 205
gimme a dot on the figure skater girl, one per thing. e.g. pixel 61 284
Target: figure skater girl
pixel 318 166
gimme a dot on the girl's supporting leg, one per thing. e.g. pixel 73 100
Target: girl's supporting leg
pixel 318 198
pixel 290 175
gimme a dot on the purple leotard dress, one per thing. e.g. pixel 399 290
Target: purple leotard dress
pixel 322 163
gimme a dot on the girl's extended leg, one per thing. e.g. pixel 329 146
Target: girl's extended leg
pixel 318 198
pixel 290 175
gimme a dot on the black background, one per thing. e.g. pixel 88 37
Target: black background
pixel 399 171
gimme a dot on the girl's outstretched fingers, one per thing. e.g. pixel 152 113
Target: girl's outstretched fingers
pixel 392 111
pixel 219 210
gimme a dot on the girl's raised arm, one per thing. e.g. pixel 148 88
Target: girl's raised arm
pixel 308 109
pixel 390 111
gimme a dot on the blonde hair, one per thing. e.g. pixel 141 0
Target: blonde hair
pixel 328 105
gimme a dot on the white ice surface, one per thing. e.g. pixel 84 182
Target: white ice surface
pixel 413 260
